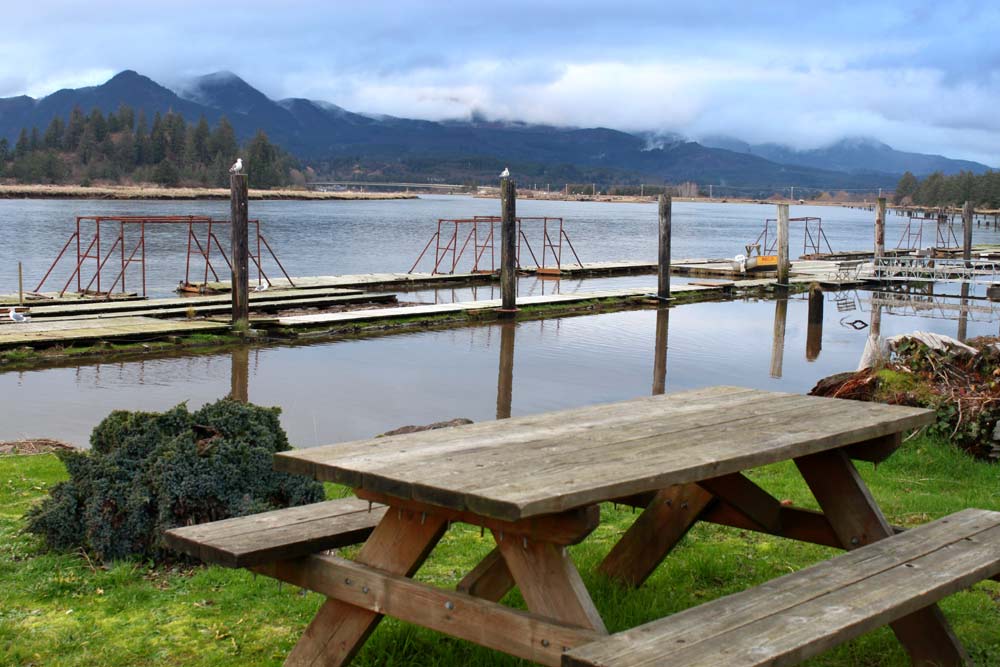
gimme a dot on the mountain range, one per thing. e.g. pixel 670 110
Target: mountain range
pixel 373 146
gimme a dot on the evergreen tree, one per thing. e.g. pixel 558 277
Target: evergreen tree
pixel 126 117
pixel 158 141
pixel 4 150
pixel 907 187
pixel 223 140
pixel 263 169
pixel 54 134
pixel 22 146
pixel 98 124
pixel 74 129
pixel 35 142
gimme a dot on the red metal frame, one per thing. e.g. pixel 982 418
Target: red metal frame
pixel 813 239
pixel 450 232
pixel 195 224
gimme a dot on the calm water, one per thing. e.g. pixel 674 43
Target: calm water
pixel 326 238
pixel 353 389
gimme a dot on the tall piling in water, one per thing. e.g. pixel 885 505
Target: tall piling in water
pixel 783 262
pixel 508 246
pixel 663 285
pixel 967 233
pixel 880 228
pixel 239 249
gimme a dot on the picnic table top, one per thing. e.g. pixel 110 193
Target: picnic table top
pixel 542 464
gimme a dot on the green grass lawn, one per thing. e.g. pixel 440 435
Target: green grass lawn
pixel 62 610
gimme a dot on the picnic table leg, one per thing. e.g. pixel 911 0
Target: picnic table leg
pixel 490 580
pixel 399 545
pixel 649 539
pixel 549 581
pixel 857 520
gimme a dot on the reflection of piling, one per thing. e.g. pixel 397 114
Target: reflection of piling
pixel 880 228
pixel 963 316
pixel 783 263
pixel 967 233
pixel 505 377
pixel 508 245
pixel 778 343
pixel 663 286
pixel 240 374
pixel 239 249
pixel 814 330
pixel 660 351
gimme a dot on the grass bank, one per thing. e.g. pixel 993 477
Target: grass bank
pixel 62 610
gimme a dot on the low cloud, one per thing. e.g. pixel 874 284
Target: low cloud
pixel 920 77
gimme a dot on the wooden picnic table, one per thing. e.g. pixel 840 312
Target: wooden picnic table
pixel 536 483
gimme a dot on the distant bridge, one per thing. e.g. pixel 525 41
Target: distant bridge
pixel 435 186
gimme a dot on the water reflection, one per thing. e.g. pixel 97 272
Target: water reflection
pixel 778 338
pixel 814 326
pixel 350 389
pixel 660 351
pixel 239 376
pixel 505 376
pixel 963 316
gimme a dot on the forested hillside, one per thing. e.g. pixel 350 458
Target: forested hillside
pixel 983 190
pixel 125 147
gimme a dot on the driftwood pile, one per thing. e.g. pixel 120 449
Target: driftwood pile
pixel 959 381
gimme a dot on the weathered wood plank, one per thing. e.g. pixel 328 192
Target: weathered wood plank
pixel 553 462
pixel 785 620
pixel 277 535
pixel 523 634
pixel 398 545
pixel 566 528
pixel 857 520
pixel 747 498
pixel 796 524
pixel 549 582
pixel 484 436
pixel 656 531
pixel 490 580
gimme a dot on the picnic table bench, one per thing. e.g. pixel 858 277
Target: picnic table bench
pixel 536 483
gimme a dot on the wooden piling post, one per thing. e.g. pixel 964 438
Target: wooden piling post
pixel 20 285
pixel 967 233
pixel 880 228
pixel 663 284
pixel 783 263
pixel 508 246
pixel 240 247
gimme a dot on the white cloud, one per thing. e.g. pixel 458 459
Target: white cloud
pixel 920 77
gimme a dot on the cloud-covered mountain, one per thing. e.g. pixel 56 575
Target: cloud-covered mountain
pixel 319 132
pixel 855 155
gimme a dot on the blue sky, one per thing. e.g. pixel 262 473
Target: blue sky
pixel 919 76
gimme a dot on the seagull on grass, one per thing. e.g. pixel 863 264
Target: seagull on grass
pixel 17 317
pixel 237 167
pixel 505 173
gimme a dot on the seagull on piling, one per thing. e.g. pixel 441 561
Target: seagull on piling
pixel 237 167
pixel 505 173
pixel 17 317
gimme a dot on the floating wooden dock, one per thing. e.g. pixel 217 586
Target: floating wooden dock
pixel 77 331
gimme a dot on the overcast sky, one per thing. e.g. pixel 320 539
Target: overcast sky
pixel 919 76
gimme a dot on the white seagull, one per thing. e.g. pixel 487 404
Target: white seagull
pixel 17 317
pixel 237 167
pixel 505 173
pixel 260 288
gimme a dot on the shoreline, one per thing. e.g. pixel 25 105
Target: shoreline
pixel 154 193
